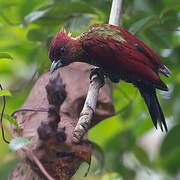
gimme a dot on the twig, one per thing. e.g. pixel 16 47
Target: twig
pixel 41 167
pixel 2 112
pixel 38 163
pixel 96 83
pixel 29 109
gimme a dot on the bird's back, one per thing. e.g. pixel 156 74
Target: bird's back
pixel 121 53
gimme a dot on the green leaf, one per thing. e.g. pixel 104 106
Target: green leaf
pixel 71 8
pixel 99 154
pixel 139 24
pixel 142 126
pixel 28 6
pixel 79 21
pixel 141 5
pixel 176 107
pixel 159 36
pixel 169 18
pixel 5 56
pixel 18 143
pixel 141 155
pixel 5 93
pixel 35 35
pixel 11 120
pixel 57 13
pixel 111 176
pixel 7 167
pixel 35 15
pixel 121 142
pixel 171 141
pixel 171 161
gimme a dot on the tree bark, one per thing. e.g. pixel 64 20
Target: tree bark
pixel 50 129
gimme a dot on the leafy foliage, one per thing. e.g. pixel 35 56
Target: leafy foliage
pixel 5 93
pixel 26 28
pixel 18 143
pixel 5 56
pixel 10 119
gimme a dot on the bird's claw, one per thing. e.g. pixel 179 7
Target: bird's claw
pixel 100 73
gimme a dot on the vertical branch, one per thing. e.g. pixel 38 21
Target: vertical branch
pixel 115 12
pixel 96 82
pixel 88 110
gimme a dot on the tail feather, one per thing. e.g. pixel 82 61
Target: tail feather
pixel 150 97
pixel 164 70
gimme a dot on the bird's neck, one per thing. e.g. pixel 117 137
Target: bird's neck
pixel 77 52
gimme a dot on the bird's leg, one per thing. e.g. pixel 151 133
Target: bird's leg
pixel 84 123
pixel 98 72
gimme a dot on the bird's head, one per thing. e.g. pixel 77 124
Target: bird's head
pixel 62 50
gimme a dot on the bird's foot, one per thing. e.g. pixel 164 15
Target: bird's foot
pixel 114 79
pixel 99 72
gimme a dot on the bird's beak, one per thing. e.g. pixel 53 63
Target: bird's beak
pixel 55 65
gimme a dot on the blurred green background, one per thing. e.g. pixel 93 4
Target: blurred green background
pixel 132 148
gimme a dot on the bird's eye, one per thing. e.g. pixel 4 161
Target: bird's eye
pixel 62 50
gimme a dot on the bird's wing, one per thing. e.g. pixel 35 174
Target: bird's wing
pixel 117 50
pixel 143 49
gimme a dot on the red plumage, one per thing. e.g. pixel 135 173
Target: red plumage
pixel 130 59
pixel 122 57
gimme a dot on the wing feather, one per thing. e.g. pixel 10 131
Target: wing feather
pixel 124 55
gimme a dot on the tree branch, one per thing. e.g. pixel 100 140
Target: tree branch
pixel 96 82
pixel 115 12
pixel 88 109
